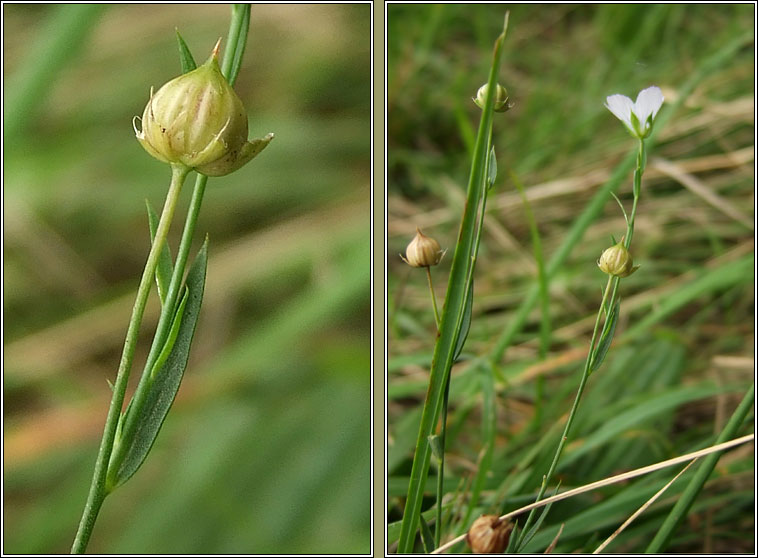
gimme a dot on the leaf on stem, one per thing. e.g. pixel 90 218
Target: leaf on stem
pixel 185 56
pixel 605 338
pixel 626 219
pixel 491 169
pixel 165 268
pixel 465 322
pixel 526 537
pixel 427 539
pixel 166 382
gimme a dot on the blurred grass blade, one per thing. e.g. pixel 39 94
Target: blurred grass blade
pixel 542 278
pixel 66 30
pixel 683 505
pixel 713 280
pixel 489 431
pixel 165 268
pixel 606 337
pixel 167 380
pixel 236 42
pixel 453 312
pixel 185 56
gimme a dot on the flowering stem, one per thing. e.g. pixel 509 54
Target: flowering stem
pixel 612 289
pixel 98 491
pixel 585 374
pixel 161 334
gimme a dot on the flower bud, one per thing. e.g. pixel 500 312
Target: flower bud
pixel 501 98
pixel 489 535
pixel 617 261
pixel 198 121
pixel 422 251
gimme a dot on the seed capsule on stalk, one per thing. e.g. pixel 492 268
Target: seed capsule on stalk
pixel 502 102
pixel 617 261
pixel 423 251
pixel 489 535
pixel 198 121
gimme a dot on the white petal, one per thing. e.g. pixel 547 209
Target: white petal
pixel 648 103
pixel 621 106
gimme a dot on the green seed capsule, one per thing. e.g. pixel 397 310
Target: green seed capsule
pixel 502 103
pixel 617 261
pixel 197 120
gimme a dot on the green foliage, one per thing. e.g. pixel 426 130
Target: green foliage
pixel 682 335
pixel 167 373
pixel 265 448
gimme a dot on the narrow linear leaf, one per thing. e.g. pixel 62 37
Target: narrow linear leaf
pixel 491 169
pixel 626 218
pixel 435 442
pixel 525 538
pixel 185 56
pixel 489 430
pixel 165 268
pixel 172 335
pixel 683 505
pixel 167 380
pixel 465 323
pixel 513 540
pixel 605 338
pixel 452 314
pixel 427 539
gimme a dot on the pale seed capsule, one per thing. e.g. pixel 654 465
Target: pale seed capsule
pixel 489 535
pixel 423 251
pixel 502 103
pixel 197 120
pixel 617 261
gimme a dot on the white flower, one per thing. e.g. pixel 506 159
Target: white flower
pixel 638 116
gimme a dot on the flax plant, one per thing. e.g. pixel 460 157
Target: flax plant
pixel 194 122
pixel 617 263
pixel 456 311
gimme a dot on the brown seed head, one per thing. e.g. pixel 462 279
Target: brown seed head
pixel 489 535
pixel 423 251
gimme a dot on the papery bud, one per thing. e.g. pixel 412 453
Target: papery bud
pixel 489 535
pixel 197 120
pixel 617 261
pixel 502 103
pixel 423 251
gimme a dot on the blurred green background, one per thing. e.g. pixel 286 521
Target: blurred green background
pixel 683 353
pixel 267 447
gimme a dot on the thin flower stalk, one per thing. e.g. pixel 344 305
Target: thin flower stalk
pixel 98 489
pixel 218 146
pixel 638 118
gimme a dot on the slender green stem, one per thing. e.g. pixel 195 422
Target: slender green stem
pixel 574 407
pixel 98 490
pixel 434 298
pixel 452 317
pixel 612 289
pixel 441 457
pixel 441 465
pixel 236 41
pixel 161 334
